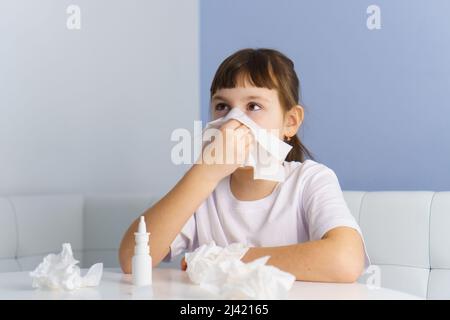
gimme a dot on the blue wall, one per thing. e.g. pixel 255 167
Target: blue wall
pixel 377 102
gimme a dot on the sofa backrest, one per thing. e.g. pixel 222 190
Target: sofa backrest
pixel 407 237
pixel 407 234
pixel 33 226
pixel 106 218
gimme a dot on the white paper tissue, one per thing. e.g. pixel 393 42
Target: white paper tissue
pixel 221 271
pixel 59 271
pixel 268 152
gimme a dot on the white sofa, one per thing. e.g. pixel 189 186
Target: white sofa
pixel 407 233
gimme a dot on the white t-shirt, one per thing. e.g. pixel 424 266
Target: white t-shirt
pixel 304 207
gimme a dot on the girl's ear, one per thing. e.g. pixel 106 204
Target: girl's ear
pixel 292 121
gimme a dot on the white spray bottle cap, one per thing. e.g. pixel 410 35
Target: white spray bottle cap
pixel 142 227
pixel 141 238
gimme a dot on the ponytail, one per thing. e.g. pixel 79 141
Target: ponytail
pixel 298 151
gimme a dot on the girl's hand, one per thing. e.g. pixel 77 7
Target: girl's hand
pixel 228 150
pixel 183 264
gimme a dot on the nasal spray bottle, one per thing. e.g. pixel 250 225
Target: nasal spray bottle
pixel 141 264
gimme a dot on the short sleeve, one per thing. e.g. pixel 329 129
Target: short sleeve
pixel 325 207
pixel 185 240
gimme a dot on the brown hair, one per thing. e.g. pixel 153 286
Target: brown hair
pixel 265 68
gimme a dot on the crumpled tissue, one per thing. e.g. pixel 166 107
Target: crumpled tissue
pixel 221 271
pixel 59 271
pixel 268 151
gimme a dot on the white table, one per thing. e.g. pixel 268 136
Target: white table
pixel 175 284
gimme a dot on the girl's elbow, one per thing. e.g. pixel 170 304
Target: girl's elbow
pixel 125 263
pixel 125 255
pixel 349 268
pixel 350 275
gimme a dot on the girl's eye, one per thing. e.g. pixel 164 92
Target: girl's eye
pixel 222 107
pixel 254 107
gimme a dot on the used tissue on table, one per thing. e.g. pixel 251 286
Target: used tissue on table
pixel 59 271
pixel 221 271
pixel 268 152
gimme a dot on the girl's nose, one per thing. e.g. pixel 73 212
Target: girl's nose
pixel 242 108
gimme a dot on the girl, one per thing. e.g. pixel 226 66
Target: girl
pixel 302 223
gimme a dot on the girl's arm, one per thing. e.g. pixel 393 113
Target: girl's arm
pixel 168 216
pixel 337 257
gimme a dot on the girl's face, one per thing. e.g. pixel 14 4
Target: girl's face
pixel 261 105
